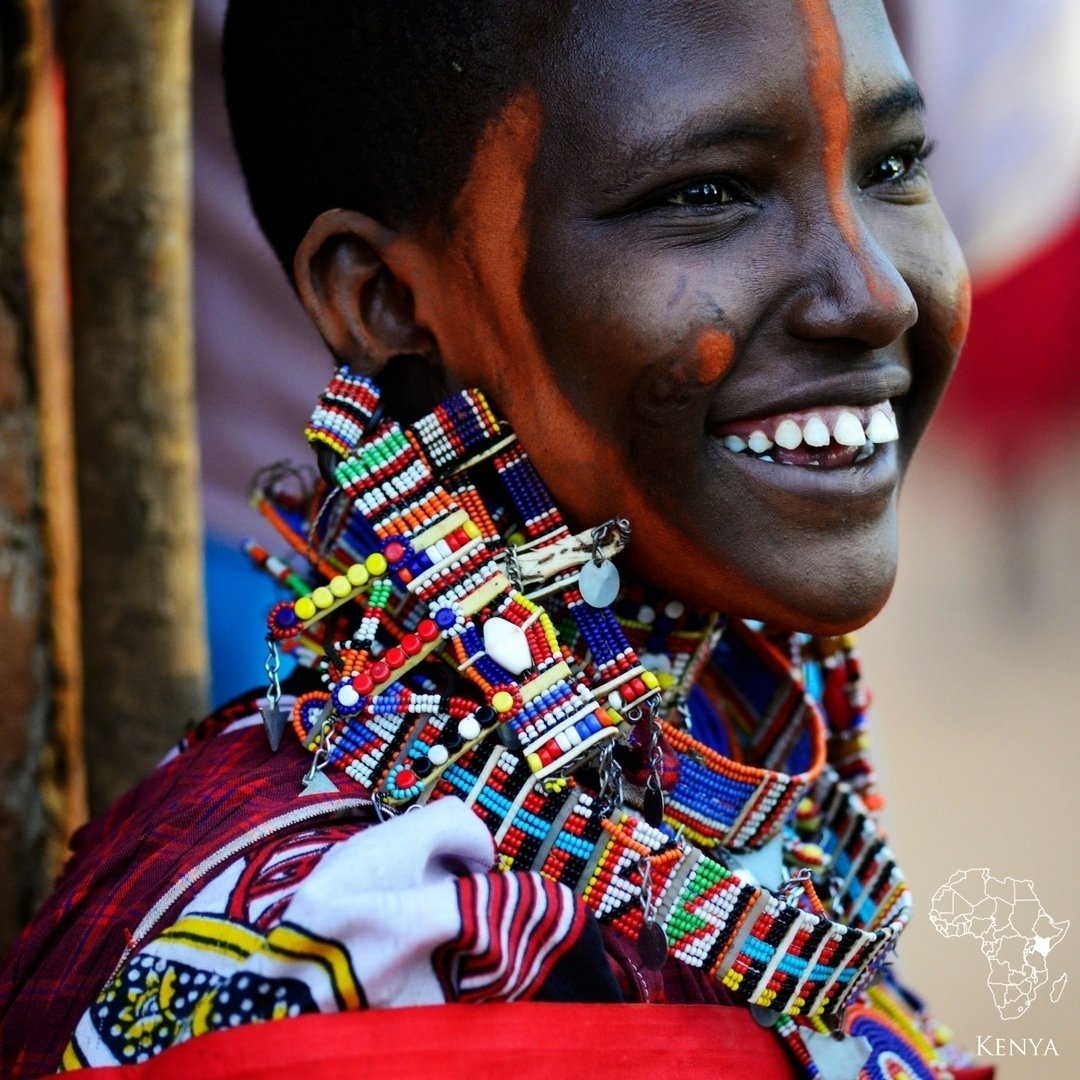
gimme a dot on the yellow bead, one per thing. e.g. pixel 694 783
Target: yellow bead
pixel 357 575
pixel 665 680
pixel 516 538
pixel 650 680
pixel 305 608
pixel 470 530
pixel 340 587
pixel 534 762
pixel 502 702
pixel 322 597
pixel 376 564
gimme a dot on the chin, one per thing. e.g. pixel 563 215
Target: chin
pixel 835 598
pixel 826 586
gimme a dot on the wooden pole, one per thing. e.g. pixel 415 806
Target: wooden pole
pixel 127 64
pixel 41 788
pixel 63 770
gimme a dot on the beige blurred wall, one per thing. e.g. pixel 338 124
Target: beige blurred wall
pixel 975 666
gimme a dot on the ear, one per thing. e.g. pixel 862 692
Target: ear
pixel 364 312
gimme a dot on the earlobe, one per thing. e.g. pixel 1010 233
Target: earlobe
pixel 364 311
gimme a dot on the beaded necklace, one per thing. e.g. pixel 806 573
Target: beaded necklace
pixel 458 680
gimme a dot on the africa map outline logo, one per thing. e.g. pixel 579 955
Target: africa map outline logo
pixel 1015 932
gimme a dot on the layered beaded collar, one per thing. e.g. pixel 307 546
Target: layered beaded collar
pixel 450 670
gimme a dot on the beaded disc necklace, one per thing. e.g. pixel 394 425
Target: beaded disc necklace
pixel 473 648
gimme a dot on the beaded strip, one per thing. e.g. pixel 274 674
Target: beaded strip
pixel 758 944
pixel 345 409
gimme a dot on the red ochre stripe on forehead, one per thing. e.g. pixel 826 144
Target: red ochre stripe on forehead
pixel 825 76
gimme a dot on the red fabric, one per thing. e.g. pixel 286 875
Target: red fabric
pixel 524 1041
pixel 122 862
pixel 1021 360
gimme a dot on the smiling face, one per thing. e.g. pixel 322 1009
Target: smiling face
pixel 702 264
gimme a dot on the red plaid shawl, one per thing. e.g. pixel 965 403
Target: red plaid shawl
pixel 197 804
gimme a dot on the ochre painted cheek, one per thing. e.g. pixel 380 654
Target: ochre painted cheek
pixel 825 76
pixel 961 314
pixel 716 352
pixel 665 391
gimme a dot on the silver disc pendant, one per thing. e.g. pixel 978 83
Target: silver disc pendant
pixel 652 945
pixel 599 585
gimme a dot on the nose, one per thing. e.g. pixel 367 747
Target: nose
pixel 850 287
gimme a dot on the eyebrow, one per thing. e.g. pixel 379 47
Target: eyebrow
pixel 667 147
pixel 902 100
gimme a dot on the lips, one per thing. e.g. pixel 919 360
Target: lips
pixel 827 437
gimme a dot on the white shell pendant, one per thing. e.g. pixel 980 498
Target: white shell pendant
pixel 507 645
pixel 599 585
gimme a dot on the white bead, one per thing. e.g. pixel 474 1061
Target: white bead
pixel 507 645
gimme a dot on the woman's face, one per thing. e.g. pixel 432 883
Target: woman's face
pixel 710 227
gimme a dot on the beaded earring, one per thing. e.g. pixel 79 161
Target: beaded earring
pixel 344 411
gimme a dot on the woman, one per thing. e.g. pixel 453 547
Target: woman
pixel 677 281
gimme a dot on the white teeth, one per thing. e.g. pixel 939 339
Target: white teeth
pixel 734 444
pixel 849 430
pixel 788 435
pixel 768 458
pixel 864 453
pixel 816 433
pixel 759 442
pixel 882 428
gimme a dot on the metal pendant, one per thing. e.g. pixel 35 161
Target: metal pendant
pixel 652 945
pixel 274 719
pixel 599 583
pixel 317 784
pixel 652 805
pixel 766 865
pixel 837 1058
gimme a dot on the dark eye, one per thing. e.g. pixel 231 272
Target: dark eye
pixel 707 193
pixel 900 166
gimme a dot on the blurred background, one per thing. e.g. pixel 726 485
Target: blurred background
pixel 975 662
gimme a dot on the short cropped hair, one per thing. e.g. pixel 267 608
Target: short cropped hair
pixel 371 105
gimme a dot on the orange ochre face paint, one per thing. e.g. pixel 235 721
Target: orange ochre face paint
pixel 716 352
pixel 467 287
pixel 961 314
pixel 825 79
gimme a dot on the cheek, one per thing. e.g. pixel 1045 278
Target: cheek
pixel 716 351
pixel 961 315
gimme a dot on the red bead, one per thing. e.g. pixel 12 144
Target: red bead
pixel 394 552
pixel 427 630
pixel 380 671
pixel 453 541
pixel 412 644
pixel 405 779
pixel 363 684
pixel 395 657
